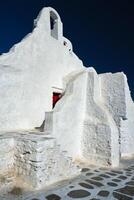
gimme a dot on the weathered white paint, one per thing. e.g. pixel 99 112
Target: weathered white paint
pixel 92 122
pixel 96 110
pixel 100 139
pixel 113 92
pixel 117 99
pixel 35 159
pixel 81 123
pixel 6 154
pixel 127 126
pixel 29 72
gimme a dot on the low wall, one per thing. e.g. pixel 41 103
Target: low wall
pixel 7 147
pixel 35 159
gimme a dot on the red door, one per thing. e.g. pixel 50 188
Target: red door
pixel 56 97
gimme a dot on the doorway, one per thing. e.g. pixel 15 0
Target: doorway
pixel 56 98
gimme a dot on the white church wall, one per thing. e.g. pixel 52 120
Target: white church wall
pixel 127 126
pixel 82 125
pixel 113 93
pixel 100 137
pixel 94 115
pixel 68 116
pixel 117 98
pixel 28 73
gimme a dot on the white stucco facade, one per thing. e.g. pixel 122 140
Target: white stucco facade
pixel 127 126
pixel 96 110
pixel 81 119
pixel 91 123
pixel 30 72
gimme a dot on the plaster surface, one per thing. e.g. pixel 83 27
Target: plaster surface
pixel 92 123
pixel 31 71
pixel 127 126
pixel 117 98
pixel 34 159
pixel 81 114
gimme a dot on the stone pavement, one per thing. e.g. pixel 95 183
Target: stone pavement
pixel 93 184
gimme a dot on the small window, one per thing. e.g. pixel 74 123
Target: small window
pixel 54 25
pixel 65 43
pixel 51 23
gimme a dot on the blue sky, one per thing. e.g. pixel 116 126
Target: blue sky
pixel 102 32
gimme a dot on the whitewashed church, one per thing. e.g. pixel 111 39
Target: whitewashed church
pixel 55 113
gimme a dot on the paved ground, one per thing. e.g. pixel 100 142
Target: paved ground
pixel 93 184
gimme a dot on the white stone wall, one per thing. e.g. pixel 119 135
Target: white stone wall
pixel 34 159
pixel 82 124
pixel 127 126
pixel 100 137
pixel 88 123
pixel 68 116
pixel 28 73
pixel 6 154
pixel 117 99
pixel 40 162
pixel 7 173
pixel 113 93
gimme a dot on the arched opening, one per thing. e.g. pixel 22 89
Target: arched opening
pixel 54 25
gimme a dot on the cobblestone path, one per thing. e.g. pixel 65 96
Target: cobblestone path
pixel 93 184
